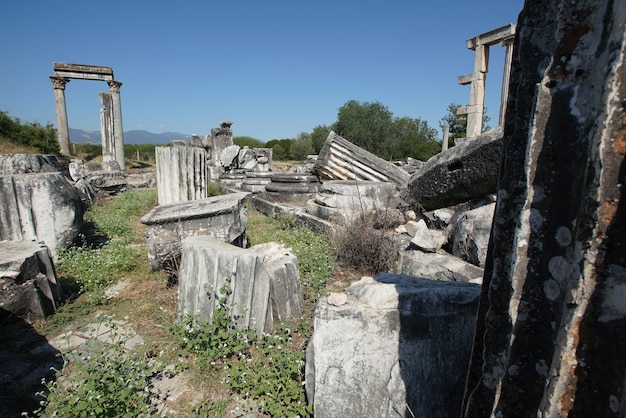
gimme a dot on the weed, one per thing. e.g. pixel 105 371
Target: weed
pixel 102 380
pixel 218 340
pixel 213 189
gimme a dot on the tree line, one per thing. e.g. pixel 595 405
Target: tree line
pixel 370 125
pixel 373 127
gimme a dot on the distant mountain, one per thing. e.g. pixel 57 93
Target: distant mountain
pixel 81 136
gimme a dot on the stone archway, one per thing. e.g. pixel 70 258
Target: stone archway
pixel 63 72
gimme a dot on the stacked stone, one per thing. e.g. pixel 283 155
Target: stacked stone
pixel 291 188
pixel 340 201
pixel 256 181
pixel 233 179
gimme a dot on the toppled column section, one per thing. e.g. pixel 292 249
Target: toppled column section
pixel 261 283
pixel 464 172
pixel 38 203
pixel 395 345
pixel 223 217
pixel 342 201
pixel 181 174
pixel 550 335
pixel 340 159
pixel 28 284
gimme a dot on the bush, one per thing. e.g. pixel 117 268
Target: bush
pixel 362 246
pixel 44 138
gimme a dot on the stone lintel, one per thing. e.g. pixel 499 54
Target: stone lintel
pixel 85 72
pixel 462 110
pixel 492 37
pixel 466 79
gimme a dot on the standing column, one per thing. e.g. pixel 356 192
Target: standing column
pixel 446 133
pixel 506 76
pixel 118 132
pixel 63 136
pixel 475 109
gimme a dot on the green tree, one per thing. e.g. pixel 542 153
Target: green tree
pixel 365 124
pixel 319 136
pixel 374 128
pixel 458 123
pixel 247 141
pixel 414 138
pixel 301 147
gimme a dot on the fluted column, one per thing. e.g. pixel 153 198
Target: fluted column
pixel 118 132
pixel 63 136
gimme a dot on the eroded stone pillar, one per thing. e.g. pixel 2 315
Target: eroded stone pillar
pixel 550 336
pixel 106 127
pixel 118 131
pixel 63 136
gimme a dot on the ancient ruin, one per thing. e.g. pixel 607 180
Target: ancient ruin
pixel 550 329
pixel 111 115
pixel 480 44
pixel 38 203
pixel 181 173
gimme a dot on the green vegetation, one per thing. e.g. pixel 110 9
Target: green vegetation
pixel 29 134
pixel 222 363
pixel 103 381
pixel 373 127
pixel 458 124
pixel 247 141
pixel 93 269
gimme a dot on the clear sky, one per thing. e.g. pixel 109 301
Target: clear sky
pixel 274 68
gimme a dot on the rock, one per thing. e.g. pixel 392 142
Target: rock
pixel 43 207
pixel 28 163
pixel 264 280
pixel 337 299
pixel 464 172
pixel 469 234
pixel 224 217
pixel 29 287
pixel 429 240
pixel 341 201
pixel 438 266
pixel 340 159
pixel 398 342
pixel 550 330
pixel 181 174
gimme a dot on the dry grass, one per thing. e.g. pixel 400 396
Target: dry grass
pixel 9 147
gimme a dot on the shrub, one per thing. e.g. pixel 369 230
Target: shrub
pixel 362 246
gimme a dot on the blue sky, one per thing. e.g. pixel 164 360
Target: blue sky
pixel 274 68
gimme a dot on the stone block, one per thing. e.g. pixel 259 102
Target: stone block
pixel 398 342
pixel 224 217
pixel 340 159
pixel 181 174
pixel 264 281
pixel 42 207
pixel 29 287
pixel 464 172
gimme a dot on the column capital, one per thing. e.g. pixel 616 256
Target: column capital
pixel 59 82
pixel 114 85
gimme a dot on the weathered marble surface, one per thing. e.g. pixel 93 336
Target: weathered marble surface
pixel 550 337
pixel 389 344
pixel 224 217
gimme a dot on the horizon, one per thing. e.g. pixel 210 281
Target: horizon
pixel 275 69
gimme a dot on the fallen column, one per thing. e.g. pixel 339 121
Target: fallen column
pixel 340 159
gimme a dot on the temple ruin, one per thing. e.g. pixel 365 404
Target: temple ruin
pixel 110 116
pixel 480 44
